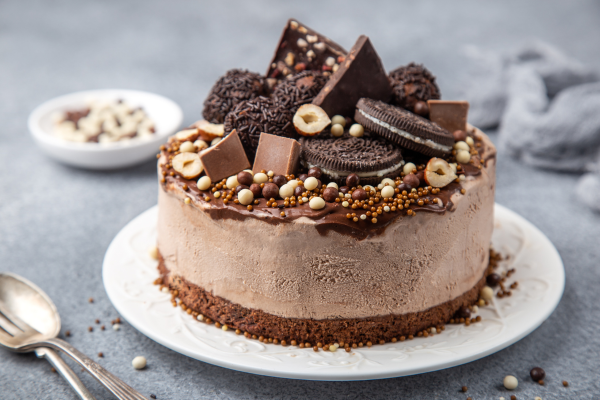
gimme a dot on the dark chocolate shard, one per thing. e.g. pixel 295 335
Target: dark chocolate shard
pixel 360 75
pixel 301 48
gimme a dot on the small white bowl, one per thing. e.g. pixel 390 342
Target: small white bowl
pixel 165 113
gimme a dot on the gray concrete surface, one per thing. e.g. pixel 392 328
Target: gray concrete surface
pixel 56 222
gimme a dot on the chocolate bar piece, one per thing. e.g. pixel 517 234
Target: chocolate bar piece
pixel 224 159
pixel 360 75
pixel 300 48
pixel 278 154
pixel 450 115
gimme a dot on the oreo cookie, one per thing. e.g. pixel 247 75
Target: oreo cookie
pixel 370 157
pixel 252 117
pixel 403 128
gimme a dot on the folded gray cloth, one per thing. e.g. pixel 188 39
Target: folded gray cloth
pixel 546 107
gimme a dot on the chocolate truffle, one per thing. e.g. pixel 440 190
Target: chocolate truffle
pixel 413 83
pixel 231 89
pixel 299 89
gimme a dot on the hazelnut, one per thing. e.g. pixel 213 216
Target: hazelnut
pixel 245 178
pixel 270 191
pixel 316 203
pixel 188 165
pixel 315 172
pixel 186 134
pixel 438 173
pixel 256 190
pixel 211 131
pixel 459 135
pixel 359 194
pixel 310 120
pixel 411 180
pixel 245 197
pixel 330 194
pixel 337 130
pixel 357 130
pixel 352 180
pixel 338 120
pixel 232 182
pixel 261 178
pixel 187 147
pixel 204 183
pixel 200 145
pixel 311 183
pixel 279 180
pixel 215 141
pixel 421 109
pixel 286 191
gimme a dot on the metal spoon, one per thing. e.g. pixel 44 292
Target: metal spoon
pixel 29 321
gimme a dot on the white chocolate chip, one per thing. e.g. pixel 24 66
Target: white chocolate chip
pixel 245 197
pixel 215 141
pixel 153 252
pixel 289 59
pixel 335 67
pixel 330 61
pixel 316 203
pixel 302 30
pixel 200 145
pixel 270 174
pixel 462 146
pixel 333 184
pixel 302 43
pixel 338 119
pixel 204 183
pixel 386 209
pixel 311 183
pixel 187 147
pixel 310 54
pixel 286 191
pixel 139 362
pixel 408 168
pixel 337 130
pixel 390 182
pixel 232 182
pixel 116 327
pixel 469 140
pixel 510 382
pixel 319 46
pixel 357 130
pixel 387 192
pixel 261 178
pixel 312 38
pixel 463 156
pixel 363 216
pixel 294 25
pixel 345 204
pixel 486 293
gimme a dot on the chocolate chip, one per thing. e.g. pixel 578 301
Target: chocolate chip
pixel 464 312
pixel 352 180
pixel 315 171
pixel 359 194
pixel 330 194
pixel 245 178
pixel 459 135
pixel 298 191
pixel 240 187
pixel 256 190
pixel 404 186
pixel 421 108
pixel 344 189
pixel 493 280
pixel 270 191
pixel 412 180
pixel 303 177
pixel 537 374
pixel 279 180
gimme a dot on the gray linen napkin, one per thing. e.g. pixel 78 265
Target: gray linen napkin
pixel 546 106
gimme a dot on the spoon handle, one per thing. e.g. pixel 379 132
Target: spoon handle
pixel 65 371
pixel 116 386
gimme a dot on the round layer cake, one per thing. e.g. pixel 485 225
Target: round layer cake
pixel 294 273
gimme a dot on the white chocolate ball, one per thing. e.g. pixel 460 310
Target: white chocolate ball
pixel 338 120
pixel 357 130
pixel 333 184
pixel 204 183
pixel 316 203
pixel 337 130
pixel 461 146
pixel 293 183
pixel 387 192
pixel 139 362
pixel 463 156
pixel 389 181
pixel 368 188
pixel 486 293
pixel 345 204
pixel 286 191
pixel 408 168
pixel 116 327
pixel 510 382
pixel 261 178
pixel 311 183
pixel 245 197
pixel 200 145
pixel 249 170
pixel 187 147
pixel 232 182
pixel 469 140
pixel 270 174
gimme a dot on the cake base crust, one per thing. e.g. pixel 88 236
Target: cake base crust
pixel 347 330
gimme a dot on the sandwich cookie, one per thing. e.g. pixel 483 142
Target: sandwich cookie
pixel 369 157
pixel 403 128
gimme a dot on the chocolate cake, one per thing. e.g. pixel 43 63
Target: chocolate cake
pixel 333 232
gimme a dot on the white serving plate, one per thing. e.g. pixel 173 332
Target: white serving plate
pixel 129 272
pixel 165 113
